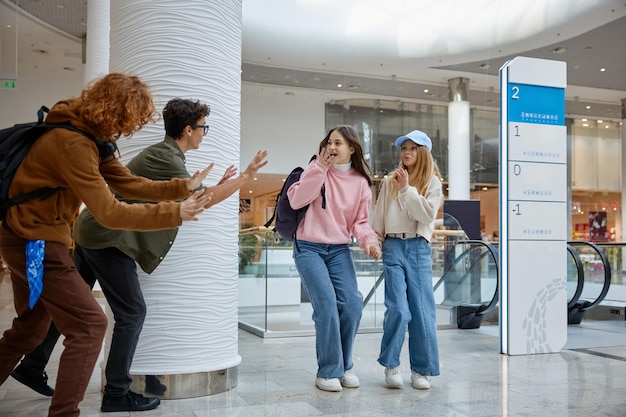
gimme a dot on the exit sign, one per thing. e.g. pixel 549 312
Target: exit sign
pixel 8 84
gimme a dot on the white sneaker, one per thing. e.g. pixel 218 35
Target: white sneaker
pixel 328 384
pixel 393 377
pixel 419 381
pixel 350 380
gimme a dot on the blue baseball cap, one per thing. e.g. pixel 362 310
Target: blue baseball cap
pixel 416 136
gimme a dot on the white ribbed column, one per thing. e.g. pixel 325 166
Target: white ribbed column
pixel 458 140
pixel 189 49
pixel 97 42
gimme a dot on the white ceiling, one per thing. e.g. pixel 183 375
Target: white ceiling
pixel 390 48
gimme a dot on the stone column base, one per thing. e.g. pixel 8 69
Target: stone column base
pixel 172 387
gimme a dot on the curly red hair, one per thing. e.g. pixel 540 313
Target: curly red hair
pixel 116 105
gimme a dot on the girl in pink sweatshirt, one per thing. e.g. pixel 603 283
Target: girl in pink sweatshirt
pixel 322 255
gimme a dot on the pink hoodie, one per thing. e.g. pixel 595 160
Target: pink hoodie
pixel 348 201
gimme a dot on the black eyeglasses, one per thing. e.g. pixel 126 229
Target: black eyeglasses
pixel 204 127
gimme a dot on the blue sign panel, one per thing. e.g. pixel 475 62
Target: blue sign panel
pixel 536 104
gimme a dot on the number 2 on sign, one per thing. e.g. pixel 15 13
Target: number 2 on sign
pixel 515 92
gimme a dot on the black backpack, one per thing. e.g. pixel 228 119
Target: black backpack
pixel 288 219
pixel 15 143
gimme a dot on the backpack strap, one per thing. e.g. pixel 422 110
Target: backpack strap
pixel 105 149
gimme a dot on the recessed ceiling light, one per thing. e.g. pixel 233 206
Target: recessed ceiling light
pixel 484 66
pixel 339 85
pixel 559 50
pixel 588 107
pixel 602 69
pixel 60 6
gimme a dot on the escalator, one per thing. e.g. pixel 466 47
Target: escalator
pixel 468 286
pixel 590 291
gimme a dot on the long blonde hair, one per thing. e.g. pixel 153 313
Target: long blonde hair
pixel 425 168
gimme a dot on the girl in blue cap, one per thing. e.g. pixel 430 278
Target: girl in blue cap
pixel 404 217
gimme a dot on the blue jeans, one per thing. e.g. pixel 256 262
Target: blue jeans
pixel 328 275
pixel 410 301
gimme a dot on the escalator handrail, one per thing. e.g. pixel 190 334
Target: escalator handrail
pixel 458 259
pixel 485 308
pixel 496 295
pixel 581 277
pixel 607 272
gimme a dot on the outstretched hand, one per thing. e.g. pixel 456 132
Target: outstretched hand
pixel 194 205
pixel 196 179
pixel 228 174
pixel 257 163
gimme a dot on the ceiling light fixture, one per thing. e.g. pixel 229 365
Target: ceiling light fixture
pixel 559 50
pixel 602 69
pixel 484 66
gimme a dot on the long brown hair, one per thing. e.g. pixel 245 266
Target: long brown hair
pixel 423 172
pixel 359 163
pixel 116 105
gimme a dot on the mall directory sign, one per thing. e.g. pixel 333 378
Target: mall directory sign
pixel 533 206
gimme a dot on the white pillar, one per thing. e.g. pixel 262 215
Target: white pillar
pixel 189 49
pixel 458 140
pixel 96 45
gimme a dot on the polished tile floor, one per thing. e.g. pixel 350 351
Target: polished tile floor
pixel 276 378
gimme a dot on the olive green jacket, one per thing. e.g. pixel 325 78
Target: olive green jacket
pixel 161 161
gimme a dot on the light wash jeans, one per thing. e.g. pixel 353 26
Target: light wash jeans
pixel 328 275
pixel 409 298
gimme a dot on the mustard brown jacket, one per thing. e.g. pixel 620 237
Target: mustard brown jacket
pixel 64 158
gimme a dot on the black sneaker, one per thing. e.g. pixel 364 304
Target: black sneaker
pixel 33 380
pixel 129 402
pixel 154 386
